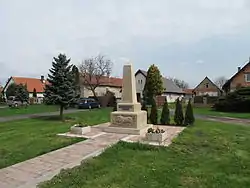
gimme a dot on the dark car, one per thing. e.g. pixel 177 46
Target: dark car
pixel 88 103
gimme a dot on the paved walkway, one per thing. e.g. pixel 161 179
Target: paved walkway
pixel 29 173
pixel 27 116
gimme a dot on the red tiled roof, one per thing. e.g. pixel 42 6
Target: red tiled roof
pixel 188 91
pixel 108 81
pixel 31 83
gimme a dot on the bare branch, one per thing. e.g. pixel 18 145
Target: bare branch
pixel 180 83
pixel 94 71
pixel 220 81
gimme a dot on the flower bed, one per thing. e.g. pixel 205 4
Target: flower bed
pixel 80 129
pixel 156 135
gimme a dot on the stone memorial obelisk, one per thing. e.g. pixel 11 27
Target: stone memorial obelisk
pixel 129 118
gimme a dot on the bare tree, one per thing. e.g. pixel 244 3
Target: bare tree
pixel 220 81
pixel 180 83
pixel 94 71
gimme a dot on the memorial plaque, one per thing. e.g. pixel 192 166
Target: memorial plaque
pixel 126 107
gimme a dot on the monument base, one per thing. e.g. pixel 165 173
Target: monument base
pixel 128 122
pixel 130 131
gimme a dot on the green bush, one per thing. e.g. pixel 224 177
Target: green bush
pixel 178 115
pixel 237 101
pixel 189 115
pixel 212 99
pixel 165 114
pixel 153 115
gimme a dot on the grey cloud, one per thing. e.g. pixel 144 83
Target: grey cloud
pixel 145 31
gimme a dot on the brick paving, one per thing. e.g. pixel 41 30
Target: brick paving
pixel 29 173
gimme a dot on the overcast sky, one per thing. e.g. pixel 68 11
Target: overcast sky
pixel 187 39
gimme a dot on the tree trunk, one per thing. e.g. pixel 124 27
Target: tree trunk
pixel 61 112
pixel 94 93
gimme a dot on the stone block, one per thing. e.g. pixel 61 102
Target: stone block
pixel 129 119
pixel 80 130
pixel 156 137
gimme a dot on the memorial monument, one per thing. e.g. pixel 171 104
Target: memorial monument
pixel 129 118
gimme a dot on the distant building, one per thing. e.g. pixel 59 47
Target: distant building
pixel 31 83
pixel 240 79
pixel 207 87
pixel 172 91
pixel 188 93
pixel 111 84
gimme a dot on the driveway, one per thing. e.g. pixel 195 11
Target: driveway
pixel 27 116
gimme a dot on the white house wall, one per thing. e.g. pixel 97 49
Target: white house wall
pixel 100 91
pixel 172 97
pixel 39 95
pixel 207 93
pixel 140 80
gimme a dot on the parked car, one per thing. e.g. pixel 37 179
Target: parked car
pixel 88 103
pixel 14 102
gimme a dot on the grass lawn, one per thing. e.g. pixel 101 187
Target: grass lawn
pixel 208 154
pixel 209 111
pixel 32 109
pixel 25 139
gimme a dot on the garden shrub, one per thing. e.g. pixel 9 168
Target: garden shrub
pixel 189 115
pixel 153 114
pixel 165 114
pixel 178 115
pixel 237 101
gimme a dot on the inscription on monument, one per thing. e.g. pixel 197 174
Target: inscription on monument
pixel 125 107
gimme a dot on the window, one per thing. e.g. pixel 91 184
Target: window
pixel 206 85
pixel 247 77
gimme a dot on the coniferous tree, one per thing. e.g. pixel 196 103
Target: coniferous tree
pixel 22 93
pixel 165 114
pixel 76 75
pixel 61 89
pixel 34 93
pixel 11 90
pixel 153 114
pixel 153 85
pixel 189 115
pixel 178 115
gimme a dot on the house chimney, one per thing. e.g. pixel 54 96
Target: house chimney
pixel 42 78
pixel 239 69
